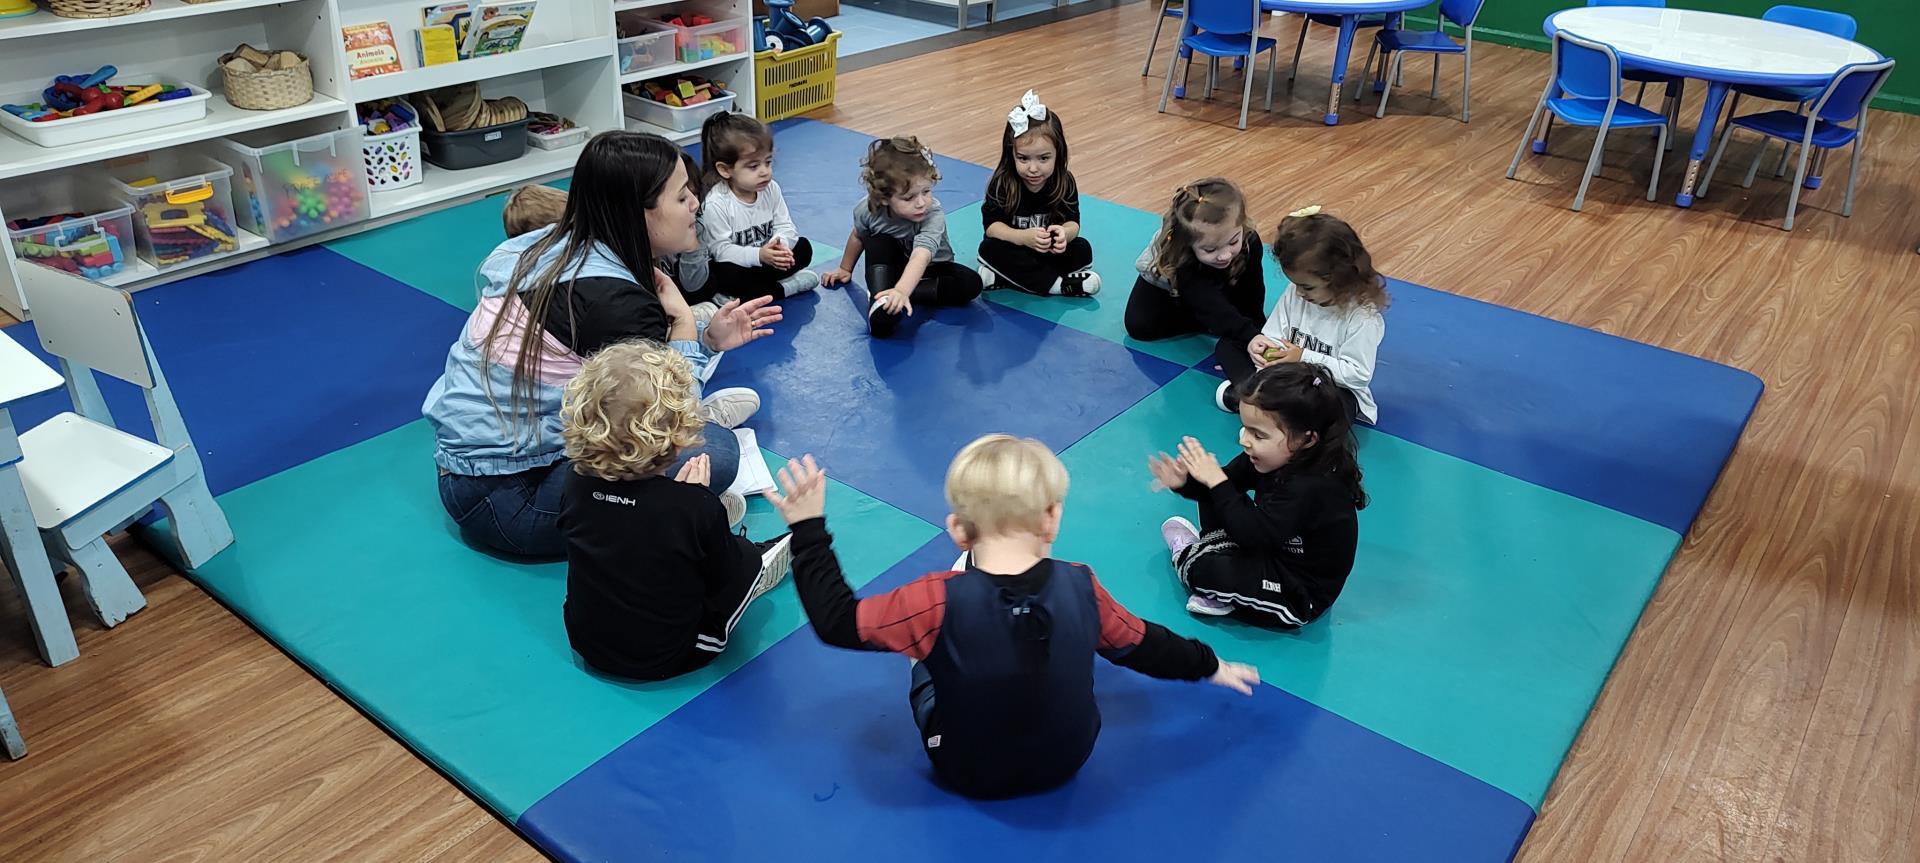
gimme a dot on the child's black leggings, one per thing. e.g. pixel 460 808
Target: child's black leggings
pixel 1035 272
pixel 749 283
pixel 945 283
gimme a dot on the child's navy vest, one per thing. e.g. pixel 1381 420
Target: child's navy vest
pixel 1013 682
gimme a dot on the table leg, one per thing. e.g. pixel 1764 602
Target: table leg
pixel 1185 53
pixel 1702 141
pixel 1341 54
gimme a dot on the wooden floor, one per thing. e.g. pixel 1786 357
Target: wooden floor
pixel 1764 710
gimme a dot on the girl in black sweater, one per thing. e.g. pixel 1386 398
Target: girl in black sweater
pixel 1202 272
pixel 1280 558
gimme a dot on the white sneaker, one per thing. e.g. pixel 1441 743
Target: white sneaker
pixel 1221 395
pixel 704 312
pixel 989 280
pixel 1178 533
pixel 1079 283
pixel 736 507
pixel 1207 606
pixel 730 407
pixel 775 562
pixel 800 282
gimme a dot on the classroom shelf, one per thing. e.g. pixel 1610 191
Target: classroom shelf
pixel 139 271
pixel 18 157
pixel 46 23
pixel 440 184
pixel 632 5
pixel 498 66
pixel 681 68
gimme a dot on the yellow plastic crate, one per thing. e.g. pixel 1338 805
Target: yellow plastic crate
pixel 794 82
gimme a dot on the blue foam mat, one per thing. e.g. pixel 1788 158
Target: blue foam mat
pixel 808 753
pixel 818 166
pixel 279 361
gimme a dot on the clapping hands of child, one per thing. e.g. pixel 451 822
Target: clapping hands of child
pixel 697 471
pixel 1200 464
pixel 803 491
pixel 1168 472
pixel 1236 676
pixel 776 254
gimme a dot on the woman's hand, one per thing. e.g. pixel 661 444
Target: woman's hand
pixel 738 323
pixel 803 491
pixel 696 471
pixel 1167 471
pixel 1200 464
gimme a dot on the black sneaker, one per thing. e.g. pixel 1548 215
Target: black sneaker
pixel 1079 283
pixel 880 322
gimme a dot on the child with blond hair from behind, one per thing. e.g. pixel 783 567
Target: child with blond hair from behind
pixel 1003 646
pixel 531 208
pixel 655 581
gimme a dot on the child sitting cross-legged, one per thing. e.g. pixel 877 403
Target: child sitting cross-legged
pixel 655 581
pixel 1003 675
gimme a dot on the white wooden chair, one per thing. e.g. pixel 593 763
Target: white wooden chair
pixel 85 477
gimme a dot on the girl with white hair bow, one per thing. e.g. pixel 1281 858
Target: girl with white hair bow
pixel 1032 211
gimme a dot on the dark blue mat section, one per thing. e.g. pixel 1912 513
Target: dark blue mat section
pixel 1560 406
pixel 808 753
pixel 280 361
pixel 818 167
pixel 886 415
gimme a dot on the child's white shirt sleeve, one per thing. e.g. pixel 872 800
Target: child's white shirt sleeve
pixel 1351 362
pixel 783 226
pixel 717 227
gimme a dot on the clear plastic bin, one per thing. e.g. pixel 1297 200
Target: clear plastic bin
pixel 182 206
pixel 719 39
pixel 675 119
pixel 291 188
pixel 93 236
pixel 646 44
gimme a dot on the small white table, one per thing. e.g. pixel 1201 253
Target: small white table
pixel 22 376
pixel 1723 50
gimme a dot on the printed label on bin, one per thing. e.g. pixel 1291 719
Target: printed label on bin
pixel 492 136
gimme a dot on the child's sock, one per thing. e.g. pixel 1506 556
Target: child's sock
pixel 800 282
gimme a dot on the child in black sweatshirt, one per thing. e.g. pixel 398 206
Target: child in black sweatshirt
pixel 1281 558
pixel 1201 273
pixel 1003 648
pixel 655 580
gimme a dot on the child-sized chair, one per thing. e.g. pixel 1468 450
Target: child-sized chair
pixel 1818 20
pixel 1224 28
pixel 84 477
pixel 1168 9
pixel 1588 74
pixel 1844 100
pixel 1395 44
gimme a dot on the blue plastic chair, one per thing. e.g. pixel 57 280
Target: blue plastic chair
pixel 1833 23
pixel 1394 45
pixel 1673 86
pixel 1843 101
pixel 1587 74
pixel 1224 28
pixel 1168 9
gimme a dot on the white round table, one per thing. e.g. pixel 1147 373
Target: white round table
pixel 1722 50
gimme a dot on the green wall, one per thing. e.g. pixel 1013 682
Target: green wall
pixel 1891 27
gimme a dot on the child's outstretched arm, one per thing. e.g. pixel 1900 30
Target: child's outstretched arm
pixel 1153 650
pixel 844 273
pixel 905 620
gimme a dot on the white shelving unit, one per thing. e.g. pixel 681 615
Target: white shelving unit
pixel 567 65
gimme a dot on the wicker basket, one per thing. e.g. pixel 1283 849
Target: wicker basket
pixel 259 81
pixel 96 8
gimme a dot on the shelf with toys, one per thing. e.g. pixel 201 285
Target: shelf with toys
pixel 481 68
pixel 45 22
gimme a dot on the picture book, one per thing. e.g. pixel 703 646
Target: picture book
pixel 370 49
pixel 498 28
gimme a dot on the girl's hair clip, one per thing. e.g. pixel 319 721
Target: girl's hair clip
pixel 1303 212
pixel 1316 380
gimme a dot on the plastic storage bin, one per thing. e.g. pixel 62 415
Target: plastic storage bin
pixel 392 160
pixel 106 124
pixel 559 140
pixel 666 116
pixel 475 148
pixel 182 206
pixel 790 83
pixel 294 188
pixel 646 44
pixel 719 39
pixel 85 232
